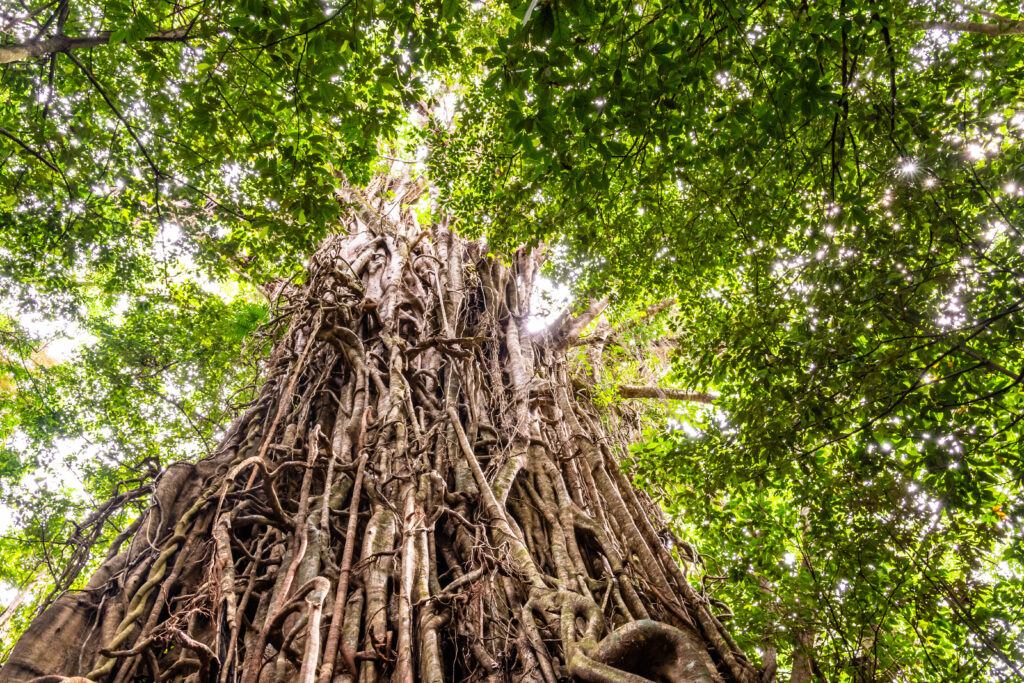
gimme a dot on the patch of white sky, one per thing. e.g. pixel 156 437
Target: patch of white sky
pixel 168 250
pixel 548 300
pixel 680 420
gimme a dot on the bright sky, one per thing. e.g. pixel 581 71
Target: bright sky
pixel 548 300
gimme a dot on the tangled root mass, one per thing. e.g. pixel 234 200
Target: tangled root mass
pixel 418 493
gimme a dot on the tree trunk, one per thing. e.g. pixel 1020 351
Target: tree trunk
pixel 417 494
pixel 803 659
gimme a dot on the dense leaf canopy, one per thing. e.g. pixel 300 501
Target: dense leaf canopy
pixel 828 195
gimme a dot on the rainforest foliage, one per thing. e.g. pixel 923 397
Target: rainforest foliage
pixel 811 211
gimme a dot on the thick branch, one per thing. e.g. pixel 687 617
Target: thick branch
pixel 567 330
pixel 1005 27
pixel 40 48
pixel 637 391
pixel 604 335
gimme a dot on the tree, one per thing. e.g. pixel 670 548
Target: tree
pixel 418 492
pixel 827 194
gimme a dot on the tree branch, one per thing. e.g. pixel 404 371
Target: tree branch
pixel 606 333
pixel 131 129
pixel 567 329
pixel 39 48
pixel 1004 27
pixel 638 391
pixel 16 140
pixel 981 11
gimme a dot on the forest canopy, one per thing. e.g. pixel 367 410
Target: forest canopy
pixel 811 211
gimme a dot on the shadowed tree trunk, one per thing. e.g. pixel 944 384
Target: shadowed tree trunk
pixel 417 494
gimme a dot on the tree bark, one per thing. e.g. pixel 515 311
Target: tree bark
pixel 417 494
pixel 995 29
pixel 47 46
pixel 803 658
pixel 636 391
